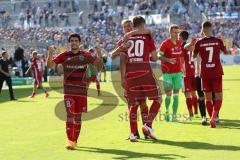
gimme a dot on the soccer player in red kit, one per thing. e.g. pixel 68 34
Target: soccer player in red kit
pixel 209 49
pixel 189 82
pixel 74 64
pixel 37 67
pixel 137 76
pixel 128 27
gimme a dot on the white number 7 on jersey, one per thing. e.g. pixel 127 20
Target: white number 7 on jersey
pixel 210 57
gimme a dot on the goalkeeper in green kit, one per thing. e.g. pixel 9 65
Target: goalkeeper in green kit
pixel 172 73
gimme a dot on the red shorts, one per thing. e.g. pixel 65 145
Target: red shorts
pixel 76 104
pixel 141 87
pixel 189 84
pixel 37 79
pixel 212 84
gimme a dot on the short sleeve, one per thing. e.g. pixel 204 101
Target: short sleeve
pixel 90 58
pixel 196 48
pixel 163 48
pixel 59 58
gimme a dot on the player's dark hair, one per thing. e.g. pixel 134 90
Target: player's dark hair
pixel 206 24
pixel 173 26
pixel 184 35
pixel 3 53
pixel 91 50
pixel 138 20
pixel 74 35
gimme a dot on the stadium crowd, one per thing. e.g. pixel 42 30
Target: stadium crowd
pixel 42 23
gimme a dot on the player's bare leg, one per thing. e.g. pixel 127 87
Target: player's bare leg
pixel 34 91
pixel 46 93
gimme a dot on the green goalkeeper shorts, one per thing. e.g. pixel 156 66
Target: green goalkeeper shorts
pixel 172 81
pixel 91 71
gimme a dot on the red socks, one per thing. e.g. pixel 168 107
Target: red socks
pixel 195 104
pixel 189 106
pixel 73 128
pixel 153 112
pixel 98 87
pixel 209 107
pixel 133 118
pixel 216 108
pixel 144 114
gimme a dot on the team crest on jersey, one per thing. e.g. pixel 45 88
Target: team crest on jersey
pixel 81 57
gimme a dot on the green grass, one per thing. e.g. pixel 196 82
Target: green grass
pixel 30 129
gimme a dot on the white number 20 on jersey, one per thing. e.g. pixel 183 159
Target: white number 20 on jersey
pixel 138 46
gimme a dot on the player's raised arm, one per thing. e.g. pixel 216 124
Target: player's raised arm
pixel 190 46
pixel 50 62
pixel 137 31
pixel 116 52
pixel 223 47
pixel 196 50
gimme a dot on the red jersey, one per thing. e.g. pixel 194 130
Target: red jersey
pixel 37 66
pixel 188 62
pixel 209 50
pixel 171 50
pixel 138 54
pixel 74 68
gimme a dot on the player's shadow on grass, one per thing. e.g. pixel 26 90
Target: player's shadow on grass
pixel 224 123
pixel 230 123
pixel 195 145
pixel 124 154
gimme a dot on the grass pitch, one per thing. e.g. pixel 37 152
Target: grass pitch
pixel 34 128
